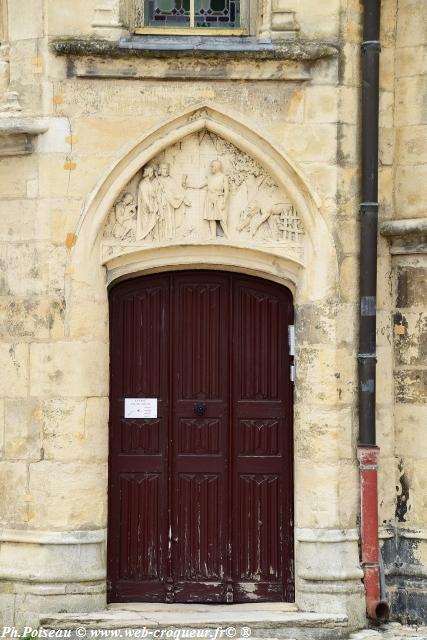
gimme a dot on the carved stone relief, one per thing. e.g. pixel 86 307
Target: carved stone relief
pixel 202 190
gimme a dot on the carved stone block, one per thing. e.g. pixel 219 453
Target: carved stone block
pixel 203 190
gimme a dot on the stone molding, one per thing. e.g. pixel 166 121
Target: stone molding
pixel 17 135
pixel 326 535
pixel 52 556
pixel 33 536
pixel 226 257
pixel 344 567
pixel 22 575
pixel 192 58
pixel 182 69
pixel 411 571
pixel 328 572
pixel 412 534
pixel 406 236
pixel 194 46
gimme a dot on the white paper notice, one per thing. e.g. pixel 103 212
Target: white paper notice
pixel 140 407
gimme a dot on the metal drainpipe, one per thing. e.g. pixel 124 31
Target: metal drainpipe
pixel 367 451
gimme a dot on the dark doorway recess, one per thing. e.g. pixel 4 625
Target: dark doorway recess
pixel 200 498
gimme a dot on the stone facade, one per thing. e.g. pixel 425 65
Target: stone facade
pixel 83 115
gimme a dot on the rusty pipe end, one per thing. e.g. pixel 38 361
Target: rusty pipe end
pixel 378 610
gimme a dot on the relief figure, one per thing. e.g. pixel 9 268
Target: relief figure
pixel 278 221
pixel 124 214
pixel 253 218
pixel 216 200
pixel 147 223
pixel 170 197
pixel 233 197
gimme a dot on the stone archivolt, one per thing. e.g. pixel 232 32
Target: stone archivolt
pixel 203 189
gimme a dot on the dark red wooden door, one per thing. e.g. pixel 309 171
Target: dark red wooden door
pixel 200 498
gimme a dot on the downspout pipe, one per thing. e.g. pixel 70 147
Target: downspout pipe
pixel 377 609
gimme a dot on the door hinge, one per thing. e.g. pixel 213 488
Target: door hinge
pixel 291 343
pixel 291 339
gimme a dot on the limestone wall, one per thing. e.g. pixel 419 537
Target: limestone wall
pixel 403 324
pixel 298 116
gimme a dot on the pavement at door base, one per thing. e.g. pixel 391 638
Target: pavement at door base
pixel 392 631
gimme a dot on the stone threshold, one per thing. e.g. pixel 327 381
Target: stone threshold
pixel 265 620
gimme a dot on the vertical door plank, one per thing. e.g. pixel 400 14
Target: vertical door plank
pixel 138 481
pixel 200 335
pixel 261 441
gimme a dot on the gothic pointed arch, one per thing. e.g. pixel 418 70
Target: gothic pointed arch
pixel 158 193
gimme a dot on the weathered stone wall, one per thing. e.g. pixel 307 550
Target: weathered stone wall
pixel 100 111
pixel 403 324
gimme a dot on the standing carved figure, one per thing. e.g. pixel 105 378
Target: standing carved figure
pixel 147 224
pixel 170 198
pixel 216 201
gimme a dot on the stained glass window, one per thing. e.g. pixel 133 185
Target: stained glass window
pixel 212 14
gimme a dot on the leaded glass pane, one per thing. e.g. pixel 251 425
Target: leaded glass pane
pixel 217 13
pixel 213 14
pixel 167 13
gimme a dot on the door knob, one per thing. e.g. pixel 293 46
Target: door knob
pixel 200 408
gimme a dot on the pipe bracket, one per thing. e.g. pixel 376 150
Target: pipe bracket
pixel 371 44
pixel 369 207
pixel 369 204
pixel 362 357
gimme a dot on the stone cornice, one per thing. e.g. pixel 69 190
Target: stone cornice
pixel 406 236
pixel 196 47
pixel 17 135
pixel 191 58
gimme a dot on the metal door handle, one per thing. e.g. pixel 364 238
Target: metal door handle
pixel 200 408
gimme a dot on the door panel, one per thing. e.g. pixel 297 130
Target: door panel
pixel 261 440
pixel 138 480
pixel 200 333
pixel 198 527
pixel 140 550
pixel 200 499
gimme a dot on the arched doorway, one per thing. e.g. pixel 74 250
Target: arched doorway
pixel 201 493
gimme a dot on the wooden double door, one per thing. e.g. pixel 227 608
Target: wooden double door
pixel 200 498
